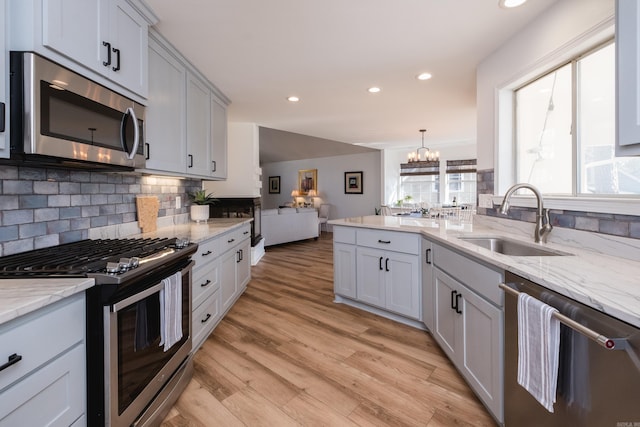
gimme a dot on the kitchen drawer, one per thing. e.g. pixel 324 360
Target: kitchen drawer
pixel 53 396
pixel 41 336
pixel 205 281
pixel 478 277
pixel 389 240
pixel 207 251
pixel 205 317
pixel 344 235
pixel 232 238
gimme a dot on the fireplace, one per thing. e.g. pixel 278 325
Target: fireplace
pixel 240 207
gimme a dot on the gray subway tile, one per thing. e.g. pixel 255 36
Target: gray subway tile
pixel 89 188
pixel 45 187
pixel 17 187
pixel 17 246
pixel 46 241
pixel 616 228
pixel 59 226
pixel 128 217
pixel 60 200
pixel 80 176
pixel 107 209
pixel 8 233
pixel 32 202
pixel 99 177
pixel 114 198
pixel 74 212
pixel 19 216
pixel 107 188
pixel 80 200
pixel 9 202
pixel 98 199
pixel 114 219
pixel 80 223
pixel 90 211
pixel 98 221
pixel 59 175
pixel 27 173
pixel 70 188
pixel 9 172
pixel 634 230
pixel 33 230
pixel 46 214
pixel 72 236
pixel 587 223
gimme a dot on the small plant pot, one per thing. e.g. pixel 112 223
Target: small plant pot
pixel 199 213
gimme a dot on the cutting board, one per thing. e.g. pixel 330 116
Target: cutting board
pixel 147 212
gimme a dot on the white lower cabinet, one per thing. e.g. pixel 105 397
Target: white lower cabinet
pixel 469 327
pixel 427 284
pixel 378 269
pixel 47 386
pixel 220 276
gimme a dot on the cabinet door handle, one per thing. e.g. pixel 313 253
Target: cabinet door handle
pixel 117 52
pixel 458 304
pixel 453 300
pixel 386 242
pixel 386 265
pixel 205 284
pixel 108 46
pixel 231 240
pixel 245 233
pixel 206 319
pixel 2 120
pixel 147 151
pixel 190 160
pixel 380 263
pixel 207 253
pixel 428 256
pixel 237 257
pixel 12 360
pixel 215 166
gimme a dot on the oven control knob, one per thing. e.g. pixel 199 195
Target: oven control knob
pixel 181 243
pixel 135 262
pixel 113 267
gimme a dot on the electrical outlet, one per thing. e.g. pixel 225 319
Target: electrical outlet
pixel 485 201
pixel 178 202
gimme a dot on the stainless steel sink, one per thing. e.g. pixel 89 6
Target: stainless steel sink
pixel 510 247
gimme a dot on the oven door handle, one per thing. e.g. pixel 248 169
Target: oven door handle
pixel 137 297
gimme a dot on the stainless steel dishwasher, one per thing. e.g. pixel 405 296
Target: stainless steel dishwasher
pixel 598 386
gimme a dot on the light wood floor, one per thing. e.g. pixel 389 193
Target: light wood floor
pixel 286 355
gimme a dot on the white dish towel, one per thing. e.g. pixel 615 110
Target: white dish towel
pixel 538 349
pixel 171 311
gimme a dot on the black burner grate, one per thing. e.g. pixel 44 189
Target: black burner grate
pixel 77 259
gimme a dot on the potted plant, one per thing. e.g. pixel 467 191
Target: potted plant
pixel 200 202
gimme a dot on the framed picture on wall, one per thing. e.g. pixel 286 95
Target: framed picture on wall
pixel 307 180
pixel 274 185
pixel 353 182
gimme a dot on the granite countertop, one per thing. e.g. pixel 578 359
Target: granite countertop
pixel 601 271
pixel 21 296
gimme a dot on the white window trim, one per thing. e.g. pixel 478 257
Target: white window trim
pixel 504 155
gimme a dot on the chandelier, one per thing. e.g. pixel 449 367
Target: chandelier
pixel 423 154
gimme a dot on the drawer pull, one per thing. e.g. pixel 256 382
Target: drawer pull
pixel 206 319
pixel 13 359
pixel 207 253
pixel 231 240
pixel 207 283
pixel 245 233
pixel 386 242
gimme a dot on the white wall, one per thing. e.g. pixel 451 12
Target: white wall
pixel 243 164
pixel 560 32
pixel 330 183
pixel 393 157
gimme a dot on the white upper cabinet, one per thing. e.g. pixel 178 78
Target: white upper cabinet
pixel 198 127
pixel 105 40
pixel 186 117
pixel 218 138
pixel 165 141
pixel 627 78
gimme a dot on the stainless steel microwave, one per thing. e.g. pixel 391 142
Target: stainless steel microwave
pixel 60 118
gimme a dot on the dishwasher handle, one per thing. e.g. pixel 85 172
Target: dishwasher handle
pixel 608 343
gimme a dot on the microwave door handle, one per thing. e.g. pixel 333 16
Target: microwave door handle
pixel 136 134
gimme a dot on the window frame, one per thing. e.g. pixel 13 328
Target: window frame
pixel 504 154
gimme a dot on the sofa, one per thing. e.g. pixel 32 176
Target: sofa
pixel 285 225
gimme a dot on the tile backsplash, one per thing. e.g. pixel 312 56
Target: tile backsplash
pixel 42 207
pixel 612 224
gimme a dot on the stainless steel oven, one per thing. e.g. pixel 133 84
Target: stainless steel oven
pixel 142 295
pixel 137 366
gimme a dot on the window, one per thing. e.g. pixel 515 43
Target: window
pixel 461 181
pixel 421 182
pixel 561 158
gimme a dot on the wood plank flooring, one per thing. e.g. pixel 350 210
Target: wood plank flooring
pixel 287 355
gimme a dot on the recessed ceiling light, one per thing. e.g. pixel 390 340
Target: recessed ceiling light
pixel 424 76
pixel 293 99
pixel 508 4
pixel 374 89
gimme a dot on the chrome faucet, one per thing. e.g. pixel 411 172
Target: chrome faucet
pixel 543 226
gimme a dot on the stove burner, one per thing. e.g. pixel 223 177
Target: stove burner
pixel 87 258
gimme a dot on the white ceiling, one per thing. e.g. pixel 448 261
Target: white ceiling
pixel 328 52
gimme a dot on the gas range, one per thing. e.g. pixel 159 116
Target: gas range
pixel 108 261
